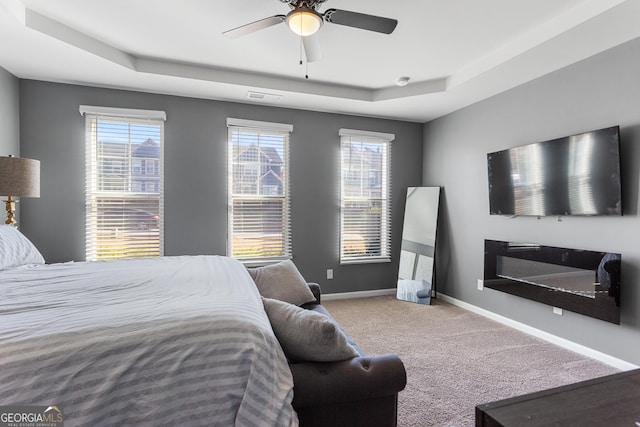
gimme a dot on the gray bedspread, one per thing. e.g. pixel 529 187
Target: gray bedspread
pixel 149 342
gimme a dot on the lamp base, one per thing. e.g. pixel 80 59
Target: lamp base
pixel 10 205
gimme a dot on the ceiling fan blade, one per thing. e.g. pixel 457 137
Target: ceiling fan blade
pixel 254 26
pixel 361 20
pixel 312 47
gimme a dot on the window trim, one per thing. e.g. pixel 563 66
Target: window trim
pixel 261 126
pixel 388 137
pixel 380 138
pixel 131 116
pixel 242 123
pixel 123 113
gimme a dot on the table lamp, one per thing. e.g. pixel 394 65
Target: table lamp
pixel 19 177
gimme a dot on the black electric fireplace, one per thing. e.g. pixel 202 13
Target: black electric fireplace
pixel 581 281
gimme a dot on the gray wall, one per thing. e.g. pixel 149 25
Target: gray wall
pixel 598 92
pixel 9 124
pixel 52 131
pixel 9 118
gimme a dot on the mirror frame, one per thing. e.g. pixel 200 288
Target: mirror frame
pixel 416 269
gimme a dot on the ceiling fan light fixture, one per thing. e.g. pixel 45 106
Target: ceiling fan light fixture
pixel 304 21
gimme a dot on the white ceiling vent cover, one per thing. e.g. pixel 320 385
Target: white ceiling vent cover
pixel 260 96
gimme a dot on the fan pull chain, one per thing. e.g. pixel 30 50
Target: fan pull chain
pixel 306 73
pixel 300 50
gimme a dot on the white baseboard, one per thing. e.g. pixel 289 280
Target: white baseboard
pixel 359 294
pixel 569 345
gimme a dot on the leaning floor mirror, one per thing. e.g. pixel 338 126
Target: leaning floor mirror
pixel 417 253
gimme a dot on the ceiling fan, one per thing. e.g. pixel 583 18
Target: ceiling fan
pixel 305 20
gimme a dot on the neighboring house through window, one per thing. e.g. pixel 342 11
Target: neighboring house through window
pixel 258 177
pixel 124 182
pixel 365 226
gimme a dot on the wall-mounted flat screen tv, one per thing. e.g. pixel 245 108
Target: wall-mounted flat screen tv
pixel 573 175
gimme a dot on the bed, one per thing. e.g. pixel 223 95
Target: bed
pixel 162 341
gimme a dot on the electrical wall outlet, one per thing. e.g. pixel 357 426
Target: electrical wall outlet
pixel 480 284
pixel 330 273
pixel 557 311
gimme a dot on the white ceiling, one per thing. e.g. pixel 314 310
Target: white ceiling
pixel 456 52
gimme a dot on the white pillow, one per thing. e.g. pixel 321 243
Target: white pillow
pixel 16 249
pixel 307 335
pixel 282 281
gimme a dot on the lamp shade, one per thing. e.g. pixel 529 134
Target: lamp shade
pixel 19 177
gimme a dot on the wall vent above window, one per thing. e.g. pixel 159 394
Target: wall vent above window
pixel 267 97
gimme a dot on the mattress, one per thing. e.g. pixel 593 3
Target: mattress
pixel 161 341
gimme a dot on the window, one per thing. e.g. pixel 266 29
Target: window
pixel 258 177
pixel 365 194
pixel 124 182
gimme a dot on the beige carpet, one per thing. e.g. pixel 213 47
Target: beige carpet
pixel 456 359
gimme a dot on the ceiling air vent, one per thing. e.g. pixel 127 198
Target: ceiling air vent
pixel 265 97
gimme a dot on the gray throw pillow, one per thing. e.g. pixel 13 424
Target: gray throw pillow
pixel 306 335
pixel 282 281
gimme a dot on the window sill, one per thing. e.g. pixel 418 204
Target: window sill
pixel 365 261
pixel 251 263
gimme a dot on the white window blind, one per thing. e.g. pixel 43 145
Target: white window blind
pixel 124 182
pixel 258 177
pixel 365 196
